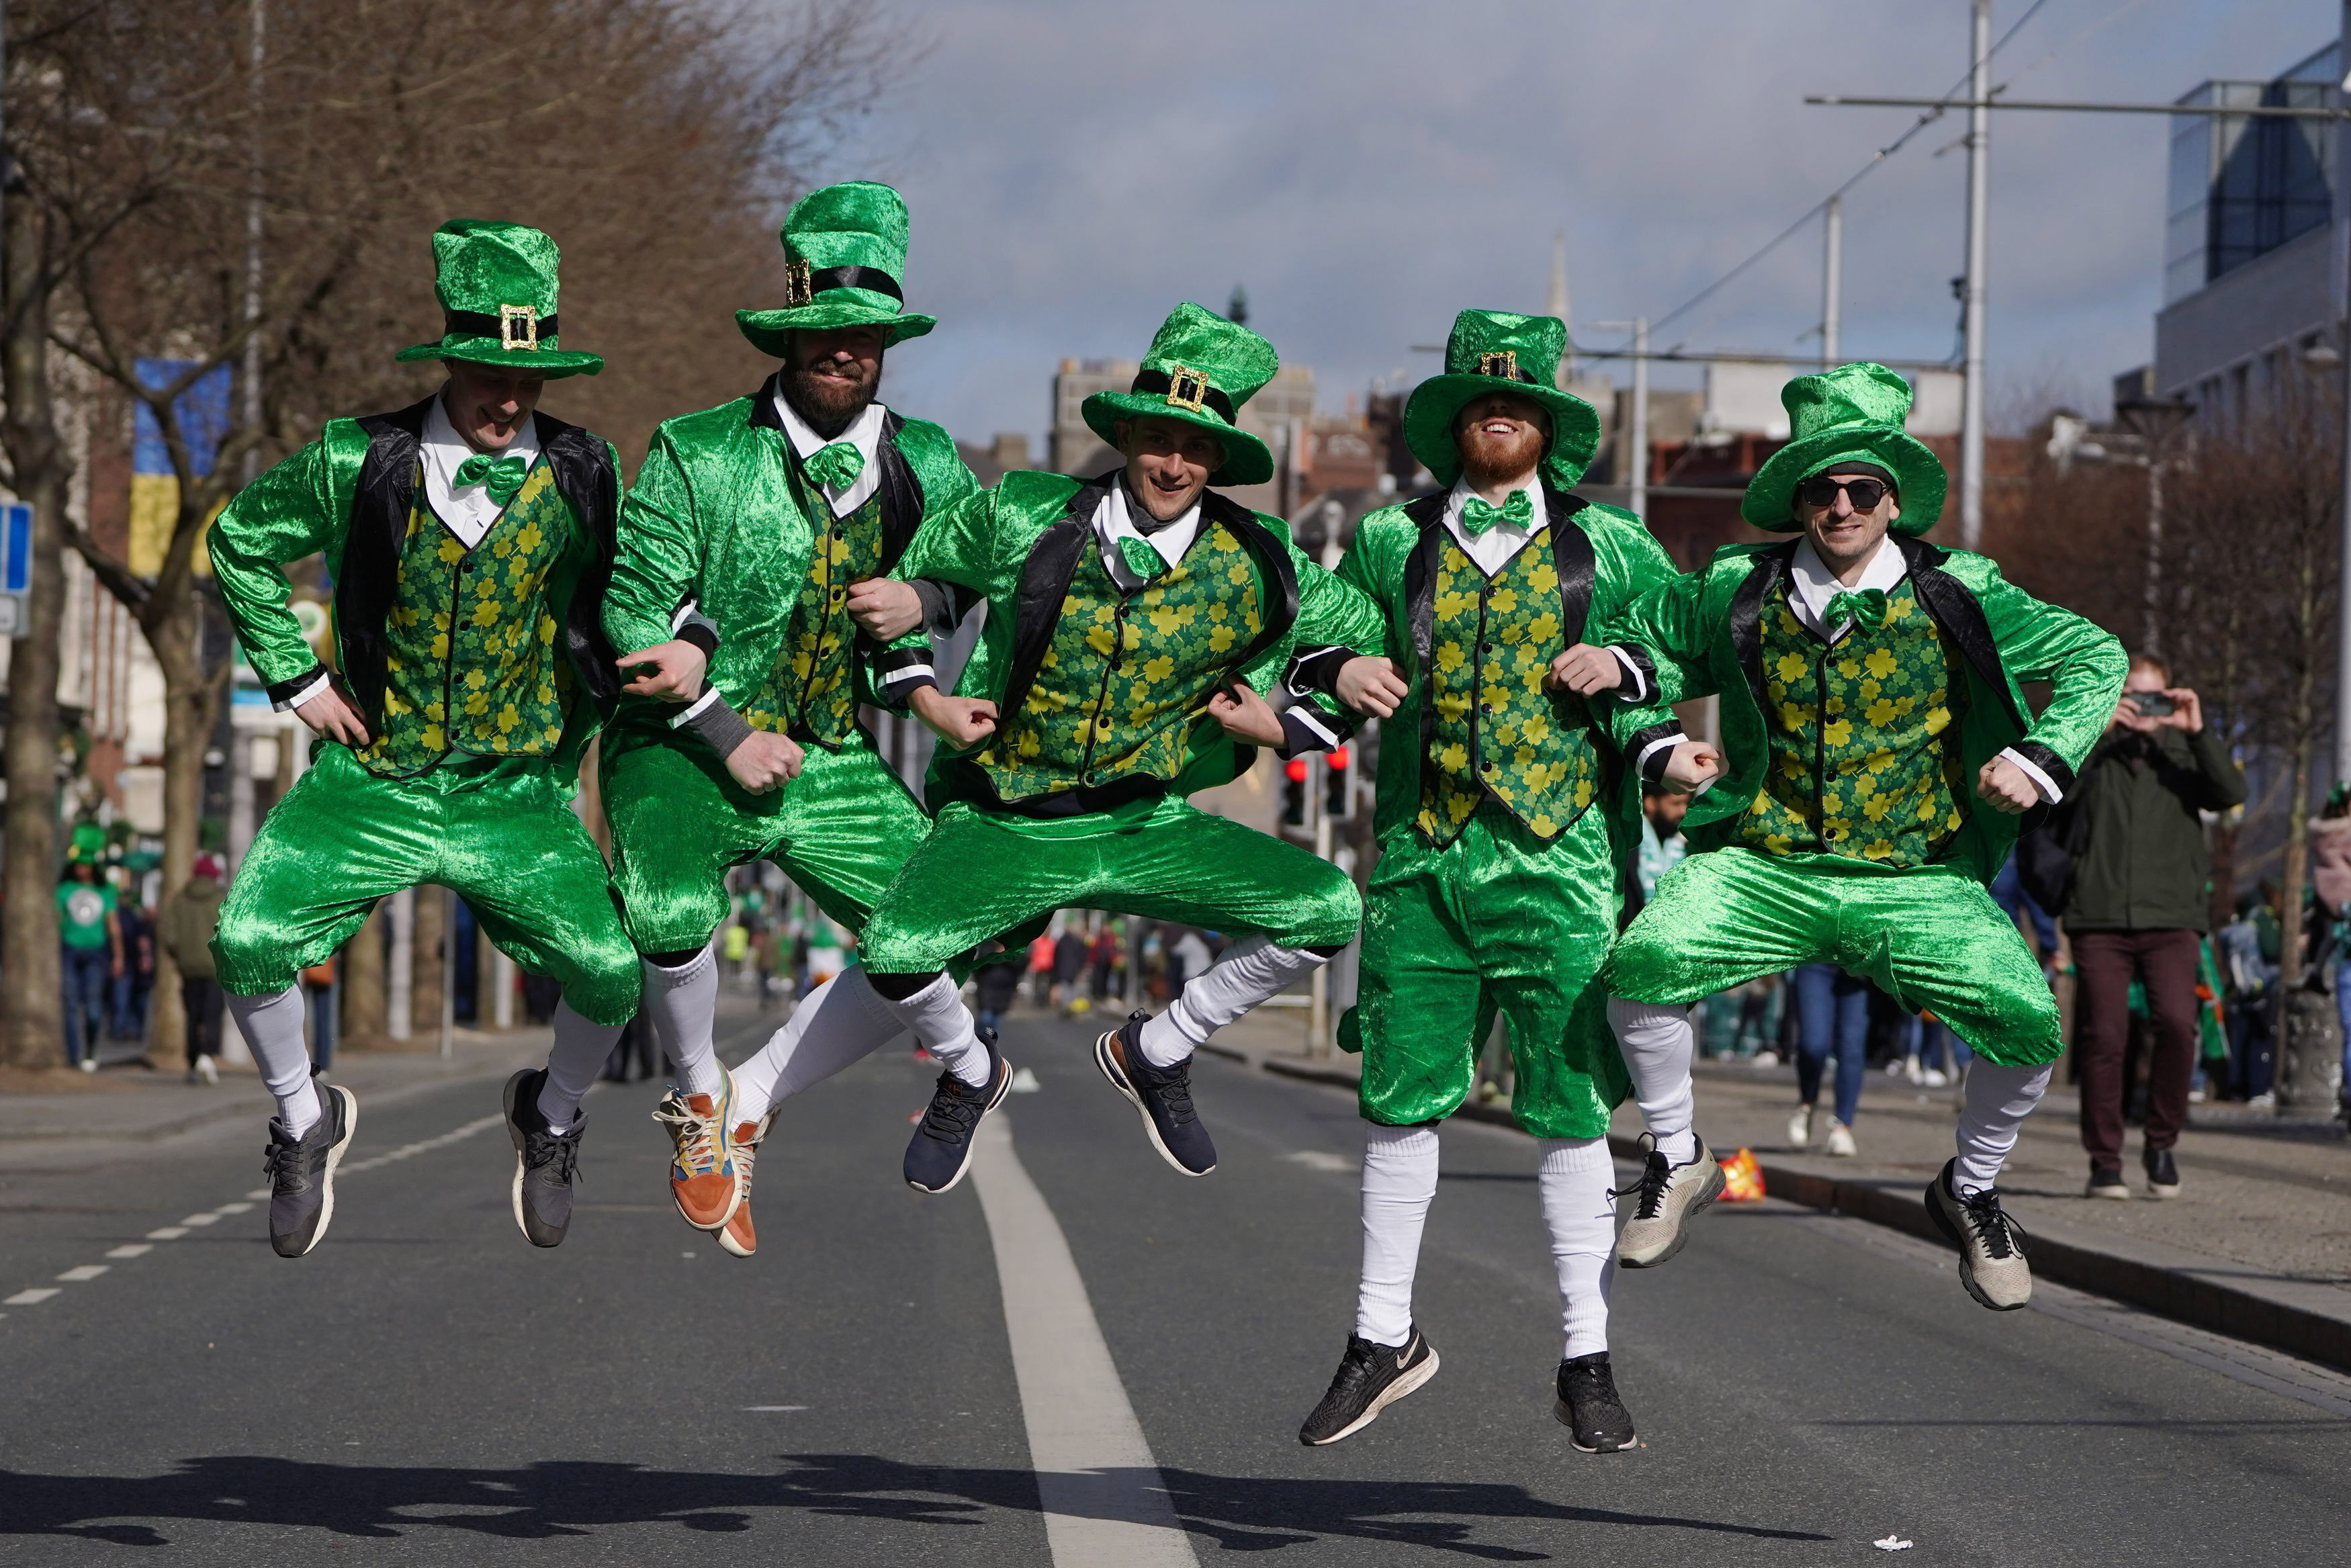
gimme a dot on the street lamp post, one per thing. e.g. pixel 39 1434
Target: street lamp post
pixel 2154 421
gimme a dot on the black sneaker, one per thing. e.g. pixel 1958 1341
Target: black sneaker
pixel 1588 1405
pixel 302 1172
pixel 1161 1096
pixel 2162 1174
pixel 940 1151
pixel 1370 1378
pixel 546 1165
pixel 2107 1181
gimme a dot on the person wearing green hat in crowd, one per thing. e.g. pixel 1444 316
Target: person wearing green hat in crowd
pixel 779 515
pixel 1877 753
pixel 1505 819
pixel 1133 619
pixel 469 539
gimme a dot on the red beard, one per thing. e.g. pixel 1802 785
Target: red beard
pixel 1489 460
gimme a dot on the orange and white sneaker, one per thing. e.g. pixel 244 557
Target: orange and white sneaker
pixel 736 1236
pixel 702 1175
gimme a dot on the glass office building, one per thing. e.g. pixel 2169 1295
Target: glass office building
pixel 2241 186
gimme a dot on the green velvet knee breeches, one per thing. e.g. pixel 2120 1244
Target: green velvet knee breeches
pixel 981 874
pixel 498 832
pixel 1496 921
pixel 1930 936
pixel 680 822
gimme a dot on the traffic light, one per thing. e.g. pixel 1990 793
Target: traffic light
pixel 1339 785
pixel 1293 793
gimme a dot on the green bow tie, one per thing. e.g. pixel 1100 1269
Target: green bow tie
pixel 501 476
pixel 1140 557
pixel 836 467
pixel 1477 515
pixel 1865 609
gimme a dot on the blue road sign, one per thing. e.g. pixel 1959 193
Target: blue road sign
pixel 15 547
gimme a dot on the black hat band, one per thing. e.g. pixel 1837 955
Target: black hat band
pixel 481 324
pixel 1194 392
pixel 801 286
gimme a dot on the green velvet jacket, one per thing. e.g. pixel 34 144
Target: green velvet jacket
pixel 1702 634
pixel 1605 560
pixel 719 523
pixel 348 495
pixel 1017 545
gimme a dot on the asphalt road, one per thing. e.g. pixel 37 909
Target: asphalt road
pixel 428 1388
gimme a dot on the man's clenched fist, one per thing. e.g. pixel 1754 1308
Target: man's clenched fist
pixel 766 761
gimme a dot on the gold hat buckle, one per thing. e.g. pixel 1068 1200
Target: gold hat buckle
pixel 1187 389
pixel 1500 362
pixel 796 289
pixel 510 316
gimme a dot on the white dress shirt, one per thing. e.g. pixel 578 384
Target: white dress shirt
pixel 864 434
pixel 1499 545
pixel 1113 521
pixel 468 511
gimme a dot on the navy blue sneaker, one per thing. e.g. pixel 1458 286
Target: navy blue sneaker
pixel 1161 1096
pixel 939 1153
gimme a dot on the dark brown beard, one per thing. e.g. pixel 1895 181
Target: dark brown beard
pixel 1486 462
pixel 825 404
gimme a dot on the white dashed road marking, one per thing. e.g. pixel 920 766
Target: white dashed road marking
pixel 30 1298
pixel 76 1275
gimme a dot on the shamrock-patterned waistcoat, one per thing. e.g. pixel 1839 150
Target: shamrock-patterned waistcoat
pixel 1495 729
pixel 472 664
pixel 1862 760
pixel 811 692
pixel 1127 674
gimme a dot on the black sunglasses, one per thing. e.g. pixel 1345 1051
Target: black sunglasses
pixel 1822 491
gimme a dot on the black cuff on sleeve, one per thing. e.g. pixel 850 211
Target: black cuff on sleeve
pixel 701 633
pixel 1653 762
pixel 2048 762
pixel 1641 662
pixel 938 605
pixel 285 692
pixel 721 726
pixel 1317 669
pixel 1299 736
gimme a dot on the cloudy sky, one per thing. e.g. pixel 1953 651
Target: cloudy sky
pixel 1366 168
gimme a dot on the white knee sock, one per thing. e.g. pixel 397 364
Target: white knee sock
pixel 1399 1179
pixel 936 1016
pixel 272 1027
pixel 1657 1043
pixel 1249 971
pixel 1581 1215
pixel 1998 1099
pixel 681 1004
pixel 578 1054
pixel 841 1022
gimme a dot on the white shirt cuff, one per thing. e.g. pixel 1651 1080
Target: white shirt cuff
pixel 1640 684
pixel 319 683
pixel 1640 762
pixel 2041 781
pixel 701 703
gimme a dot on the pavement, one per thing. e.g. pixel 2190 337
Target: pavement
pixel 1076 1358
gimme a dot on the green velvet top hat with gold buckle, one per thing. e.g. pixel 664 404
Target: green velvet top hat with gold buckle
pixel 1199 370
pixel 844 254
pixel 1490 345
pixel 1851 414
pixel 496 283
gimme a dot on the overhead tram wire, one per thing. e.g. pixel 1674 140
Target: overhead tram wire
pixel 1880 156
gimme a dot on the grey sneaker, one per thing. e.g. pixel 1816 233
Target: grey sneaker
pixel 1665 1199
pixel 546 1165
pixel 1991 1245
pixel 301 1172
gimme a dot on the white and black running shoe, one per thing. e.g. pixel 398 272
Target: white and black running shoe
pixel 1162 1096
pixel 939 1153
pixel 301 1171
pixel 1665 1201
pixel 1991 1245
pixel 546 1163
pixel 1588 1405
pixel 1370 1378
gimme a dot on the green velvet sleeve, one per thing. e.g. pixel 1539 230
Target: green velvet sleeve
pixel 962 546
pixel 286 513
pixel 931 452
pixel 2084 664
pixel 1670 624
pixel 658 558
pixel 1331 613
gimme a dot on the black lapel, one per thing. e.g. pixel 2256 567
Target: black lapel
pixel 1955 610
pixel 585 478
pixel 1747 615
pixel 1571 557
pixel 1273 565
pixel 902 492
pixel 1044 583
pixel 371 574
pixel 1428 514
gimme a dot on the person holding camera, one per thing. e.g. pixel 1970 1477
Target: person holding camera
pixel 2138 908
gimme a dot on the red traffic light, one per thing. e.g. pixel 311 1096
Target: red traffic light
pixel 1296 769
pixel 1337 756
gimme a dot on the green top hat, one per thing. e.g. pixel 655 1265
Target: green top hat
pixel 1851 414
pixel 1487 346
pixel 1200 370
pixel 844 253
pixel 496 283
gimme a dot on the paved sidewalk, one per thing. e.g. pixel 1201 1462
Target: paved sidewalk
pixel 2258 1243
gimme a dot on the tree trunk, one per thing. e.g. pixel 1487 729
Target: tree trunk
pixel 431 971
pixel 175 635
pixel 365 1025
pixel 2223 902
pixel 31 1012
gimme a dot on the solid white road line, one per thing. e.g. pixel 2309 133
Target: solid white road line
pixel 1105 1506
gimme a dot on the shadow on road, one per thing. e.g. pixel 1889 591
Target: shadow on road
pixel 566 1499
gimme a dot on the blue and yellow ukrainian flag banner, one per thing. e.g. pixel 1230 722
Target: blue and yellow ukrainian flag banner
pixel 203 411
